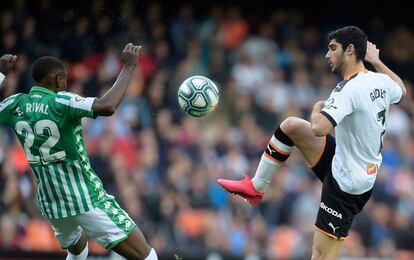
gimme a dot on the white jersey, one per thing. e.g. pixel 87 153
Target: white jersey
pixel 358 108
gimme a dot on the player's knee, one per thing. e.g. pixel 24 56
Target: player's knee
pixel 291 126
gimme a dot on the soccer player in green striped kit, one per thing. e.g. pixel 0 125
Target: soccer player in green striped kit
pixel 47 122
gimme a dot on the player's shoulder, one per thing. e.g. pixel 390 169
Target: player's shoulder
pixel 359 80
pixel 380 79
pixel 343 86
pixel 64 97
pixel 13 98
pixel 11 101
pixel 374 76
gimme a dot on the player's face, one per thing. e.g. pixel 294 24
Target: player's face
pixel 335 56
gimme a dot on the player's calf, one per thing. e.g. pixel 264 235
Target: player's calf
pixel 135 247
pixel 80 250
pixel 275 154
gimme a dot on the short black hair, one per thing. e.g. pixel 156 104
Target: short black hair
pixel 44 66
pixel 351 35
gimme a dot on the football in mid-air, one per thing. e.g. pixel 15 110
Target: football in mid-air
pixel 198 96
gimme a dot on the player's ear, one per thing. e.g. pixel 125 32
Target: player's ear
pixel 350 49
pixel 60 81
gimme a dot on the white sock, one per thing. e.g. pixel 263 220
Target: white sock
pixel 264 174
pixel 152 255
pixel 268 165
pixel 81 256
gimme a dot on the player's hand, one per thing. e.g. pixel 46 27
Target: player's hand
pixel 318 106
pixel 372 54
pixel 7 63
pixel 130 54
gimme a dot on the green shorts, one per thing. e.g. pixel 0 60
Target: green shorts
pixel 108 224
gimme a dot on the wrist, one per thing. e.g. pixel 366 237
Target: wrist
pixel 376 63
pixel 130 66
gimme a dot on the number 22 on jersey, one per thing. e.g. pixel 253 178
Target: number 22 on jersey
pixel 29 134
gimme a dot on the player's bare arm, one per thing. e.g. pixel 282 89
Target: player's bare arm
pixel 321 125
pixel 372 56
pixel 109 102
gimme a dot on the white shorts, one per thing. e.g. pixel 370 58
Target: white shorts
pixel 107 227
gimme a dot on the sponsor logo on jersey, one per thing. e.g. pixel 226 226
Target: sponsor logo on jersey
pixel 79 99
pixel 372 168
pixel 331 211
pixel 330 104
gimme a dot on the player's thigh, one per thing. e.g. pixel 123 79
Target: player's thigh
pixel 134 247
pixel 67 231
pixel 108 225
pixel 111 227
pixel 325 247
pixel 300 132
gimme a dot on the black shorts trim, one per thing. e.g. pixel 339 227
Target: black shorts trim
pixel 325 160
pixel 328 234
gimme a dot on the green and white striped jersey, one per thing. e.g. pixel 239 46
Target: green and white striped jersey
pixel 48 126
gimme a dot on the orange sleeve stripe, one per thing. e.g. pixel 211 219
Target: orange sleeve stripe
pixel 278 149
pixel 328 234
pixel 320 155
pixel 271 158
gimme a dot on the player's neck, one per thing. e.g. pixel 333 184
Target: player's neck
pixel 54 89
pixel 353 69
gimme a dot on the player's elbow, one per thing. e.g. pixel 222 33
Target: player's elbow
pixel 109 111
pixel 319 130
pixel 321 125
pixel 101 108
pixel 404 90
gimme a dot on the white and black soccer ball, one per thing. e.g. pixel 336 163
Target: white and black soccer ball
pixel 198 96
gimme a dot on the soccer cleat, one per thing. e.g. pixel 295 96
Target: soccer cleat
pixel 243 188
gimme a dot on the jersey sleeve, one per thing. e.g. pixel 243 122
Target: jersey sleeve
pixel 76 106
pixel 6 106
pixel 394 89
pixel 2 77
pixel 339 105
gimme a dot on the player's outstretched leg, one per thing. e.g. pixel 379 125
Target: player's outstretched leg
pixel 293 131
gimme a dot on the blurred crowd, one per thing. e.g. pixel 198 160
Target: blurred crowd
pixel 162 164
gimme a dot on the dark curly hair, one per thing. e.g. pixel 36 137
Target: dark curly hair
pixel 44 66
pixel 351 35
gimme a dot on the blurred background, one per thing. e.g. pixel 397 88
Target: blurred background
pixel 162 165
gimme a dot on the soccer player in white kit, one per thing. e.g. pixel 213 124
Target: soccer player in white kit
pixel 348 163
